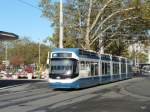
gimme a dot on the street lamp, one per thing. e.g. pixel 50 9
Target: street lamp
pixel 6 54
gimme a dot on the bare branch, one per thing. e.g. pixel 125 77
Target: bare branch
pixel 94 39
pixel 88 26
pixel 126 19
pixel 99 14
pixel 121 21
pixel 110 16
pixel 82 46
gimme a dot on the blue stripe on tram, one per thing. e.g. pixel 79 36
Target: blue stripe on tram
pixel 129 75
pixel 89 81
pixel 106 79
pixel 123 76
pixel 64 85
pixel 115 77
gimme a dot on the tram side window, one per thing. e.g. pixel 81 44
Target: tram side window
pixel 82 65
pixel 75 68
pixel 105 68
pixel 94 68
pixel 87 65
pixel 108 68
pixel 115 68
pixel 123 68
pixel 129 69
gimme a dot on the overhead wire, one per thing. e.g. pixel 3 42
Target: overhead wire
pixel 29 4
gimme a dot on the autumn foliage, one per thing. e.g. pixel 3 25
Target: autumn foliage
pixel 16 60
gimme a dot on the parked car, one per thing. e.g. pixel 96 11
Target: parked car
pixel 5 75
pixel 21 74
pixel 145 70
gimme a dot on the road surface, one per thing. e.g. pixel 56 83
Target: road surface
pixel 131 95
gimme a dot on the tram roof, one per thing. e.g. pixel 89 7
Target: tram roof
pixel 71 50
pixel 78 51
pixel 8 36
pixel 89 54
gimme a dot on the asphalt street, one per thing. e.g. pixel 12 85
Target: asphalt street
pixel 131 95
pixel 6 82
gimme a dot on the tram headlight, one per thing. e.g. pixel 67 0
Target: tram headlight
pixel 68 72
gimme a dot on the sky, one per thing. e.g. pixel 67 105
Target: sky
pixel 24 20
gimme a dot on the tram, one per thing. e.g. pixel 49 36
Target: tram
pixel 78 68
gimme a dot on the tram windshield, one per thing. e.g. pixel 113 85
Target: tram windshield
pixel 63 68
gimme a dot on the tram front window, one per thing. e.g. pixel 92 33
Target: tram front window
pixel 63 68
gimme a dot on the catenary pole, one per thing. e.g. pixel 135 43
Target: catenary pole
pixel 61 26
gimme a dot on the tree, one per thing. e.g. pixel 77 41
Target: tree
pixel 24 51
pixel 16 60
pixel 95 22
pixel 142 57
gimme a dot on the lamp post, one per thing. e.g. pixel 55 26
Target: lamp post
pixel 6 56
pixel 6 52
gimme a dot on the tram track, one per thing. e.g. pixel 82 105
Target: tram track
pixel 20 88
pixel 7 93
pixel 24 94
pixel 66 96
pixel 19 98
pixel 21 101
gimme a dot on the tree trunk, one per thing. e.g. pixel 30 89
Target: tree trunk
pixel 87 39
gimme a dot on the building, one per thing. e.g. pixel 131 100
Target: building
pixel 4 37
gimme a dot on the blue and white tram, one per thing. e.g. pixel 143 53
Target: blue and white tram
pixel 77 68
